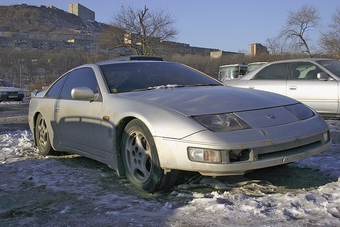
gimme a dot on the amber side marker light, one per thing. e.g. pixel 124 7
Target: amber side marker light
pixel 106 118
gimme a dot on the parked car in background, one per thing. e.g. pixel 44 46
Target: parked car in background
pixel 313 81
pixel 254 65
pixel 10 93
pixel 230 72
pixel 149 119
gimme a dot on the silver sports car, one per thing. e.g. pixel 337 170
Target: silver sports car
pixel 313 81
pixel 149 119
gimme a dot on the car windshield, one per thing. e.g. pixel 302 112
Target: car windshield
pixel 132 76
pixel 331 65
pixel 4 83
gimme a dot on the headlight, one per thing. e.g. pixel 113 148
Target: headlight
pixel 3 93
pixel 301 111
pixel 222 122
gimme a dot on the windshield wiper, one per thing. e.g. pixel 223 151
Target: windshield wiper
pixel 165 86
pixel 170 86
pixel 203 85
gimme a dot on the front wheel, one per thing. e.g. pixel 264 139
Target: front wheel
pixel 42 136
pixel 141 160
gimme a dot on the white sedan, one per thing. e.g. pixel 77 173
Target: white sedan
pixel 10 93
pixel 149 119
pixel 313 81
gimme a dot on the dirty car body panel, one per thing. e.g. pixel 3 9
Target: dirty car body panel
pixel 190 121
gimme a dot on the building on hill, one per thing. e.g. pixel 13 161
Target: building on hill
pixel 219 53
pixel 81 11
pixel 39 41
pixel 256 49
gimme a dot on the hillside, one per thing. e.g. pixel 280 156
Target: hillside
pixel 33 19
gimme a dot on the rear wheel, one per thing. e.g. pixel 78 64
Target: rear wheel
pixel 42 136
pixel 141 160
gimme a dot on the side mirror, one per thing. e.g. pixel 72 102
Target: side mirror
pixel 82 93
pixel 323 76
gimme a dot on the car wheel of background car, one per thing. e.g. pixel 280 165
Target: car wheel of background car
pixel 42 136
pixel 141 161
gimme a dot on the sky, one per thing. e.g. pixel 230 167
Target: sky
pixel 228 25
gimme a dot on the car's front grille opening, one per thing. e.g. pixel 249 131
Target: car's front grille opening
pixel 274 151
pixel 239 155
pixel 292 151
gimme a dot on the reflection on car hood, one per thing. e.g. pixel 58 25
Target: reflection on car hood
pixel 209 100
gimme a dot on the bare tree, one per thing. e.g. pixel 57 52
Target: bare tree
pixel 298 25
pixel 330 41
pixel 280 46
pixel 140 30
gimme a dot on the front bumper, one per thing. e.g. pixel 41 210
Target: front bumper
pixel 260 157
pixel 11 97
pixel 258 147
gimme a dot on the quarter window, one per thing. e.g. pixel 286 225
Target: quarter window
pixel 54 91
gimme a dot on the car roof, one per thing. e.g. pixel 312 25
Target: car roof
pixel 300 59
pixel 131 59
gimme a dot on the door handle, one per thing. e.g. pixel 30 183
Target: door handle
pixel 292 88
pixel 251 87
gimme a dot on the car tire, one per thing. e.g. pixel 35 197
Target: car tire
pixel 141 160
pixel 42 136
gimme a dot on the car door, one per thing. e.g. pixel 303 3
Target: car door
pixel 78 122
pixel 272 78
pixel 304 86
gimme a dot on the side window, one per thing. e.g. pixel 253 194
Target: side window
pixel 79 78
pixel 303 71
pixel 55 90
pixel 273 72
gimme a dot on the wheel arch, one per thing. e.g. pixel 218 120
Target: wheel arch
pixel 159 179
pixel 124 121
pixel 50 130
pixel 34 124
pixel 119 135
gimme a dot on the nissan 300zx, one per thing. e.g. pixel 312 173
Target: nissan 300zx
pixel 150 119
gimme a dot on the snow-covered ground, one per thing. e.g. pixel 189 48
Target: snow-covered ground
pixel 50 192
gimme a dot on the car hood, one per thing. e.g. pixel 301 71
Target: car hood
pixel 210 100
